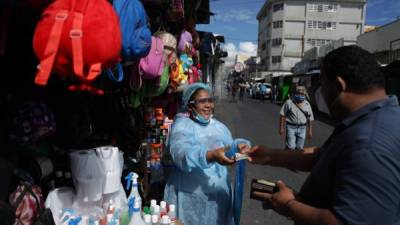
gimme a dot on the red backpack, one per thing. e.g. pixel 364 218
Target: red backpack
pixel 78 37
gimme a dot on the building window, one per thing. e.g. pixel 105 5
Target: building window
pixel 317 42
pixel 276 41
pixel 278 24
pixel 263 47
pixel 320 8
pixel 316 7
pixel 276 59
pixel 321 25
pixel 268 41
pixel 278 7
pixel 312 7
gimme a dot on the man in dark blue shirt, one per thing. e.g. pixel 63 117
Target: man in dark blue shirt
pixel 355 175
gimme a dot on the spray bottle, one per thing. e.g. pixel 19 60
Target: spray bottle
pixel 136 216
pixel 132 179
pixel 172 213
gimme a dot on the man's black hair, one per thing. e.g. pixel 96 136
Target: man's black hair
pixel 356 66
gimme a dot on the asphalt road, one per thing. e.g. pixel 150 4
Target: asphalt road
pixel 258 122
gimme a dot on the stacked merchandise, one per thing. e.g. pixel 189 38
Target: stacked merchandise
pixel 99 198
pixel 81 86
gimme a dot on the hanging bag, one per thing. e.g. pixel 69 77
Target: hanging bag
pixel 151 66
pixel 29 206
pixel 77 37
pixel 136 36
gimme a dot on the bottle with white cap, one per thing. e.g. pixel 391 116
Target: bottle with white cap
pixel 172 213
pixel 147 219
pixel 154 220
pixel 165 220
pixel 136 216
pixel 163 207
pixel 153 203
pixel 156 210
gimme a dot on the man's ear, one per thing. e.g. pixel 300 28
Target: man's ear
pixel 341 83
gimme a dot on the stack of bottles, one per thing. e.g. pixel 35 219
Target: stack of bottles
pixel 153 145
pixel 153 215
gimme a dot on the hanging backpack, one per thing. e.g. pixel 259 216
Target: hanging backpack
pixel 76 37
pixel 185 42
pixel 136 36
pixel 151 66
pixel 169 42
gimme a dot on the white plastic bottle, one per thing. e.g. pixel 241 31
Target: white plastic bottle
pixel 165 220
pixel 132 177
pixel 154 220
pixel 163 207
pixel 156 210
pixel 172 213
pixel 147 219
pixel 136 217
pixel 153 203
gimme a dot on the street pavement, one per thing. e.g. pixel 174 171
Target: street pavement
pixel 258 122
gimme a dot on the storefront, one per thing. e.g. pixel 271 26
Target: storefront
pixel 77 136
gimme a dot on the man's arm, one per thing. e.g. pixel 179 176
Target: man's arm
pixel 307 215
pixel 303 160
pixel 285 203
pixel 282 125
pixel 310 129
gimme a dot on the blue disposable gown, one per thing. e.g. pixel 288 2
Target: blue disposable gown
pixel 200 190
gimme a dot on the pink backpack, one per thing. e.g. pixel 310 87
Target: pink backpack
pixel 151 66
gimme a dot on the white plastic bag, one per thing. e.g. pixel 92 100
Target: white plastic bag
pixel 88 175
pixel 112 161
pixel 59 199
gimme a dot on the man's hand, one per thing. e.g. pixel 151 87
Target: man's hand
pixel 281 131
pixel 244 148
pixel 218 155
pixel 278 201
pixel 310 134
pixel 257 154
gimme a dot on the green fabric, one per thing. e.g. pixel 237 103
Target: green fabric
pixel 164 79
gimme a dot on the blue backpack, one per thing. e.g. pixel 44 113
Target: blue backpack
pixel 136 36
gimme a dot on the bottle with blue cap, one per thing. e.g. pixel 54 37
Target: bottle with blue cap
pixel 131 179
pixel 136 216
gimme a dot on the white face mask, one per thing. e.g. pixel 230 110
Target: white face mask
pixel 321 104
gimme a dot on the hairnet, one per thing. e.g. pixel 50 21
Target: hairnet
pixel 190 90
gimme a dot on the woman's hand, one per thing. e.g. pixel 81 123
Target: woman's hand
pixel 218 155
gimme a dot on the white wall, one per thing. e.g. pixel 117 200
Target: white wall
pixel 293 46
pixel 289 62
pixel 380 39
pixel 351 12
pixel 294 28
pixel 295 9
pixel 349 31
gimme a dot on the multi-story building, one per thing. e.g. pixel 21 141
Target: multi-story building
pixel 288 28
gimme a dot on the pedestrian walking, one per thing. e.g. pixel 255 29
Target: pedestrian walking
pixel 263 92
pixel 274 93
pixel 242 90
pixel 296 119
pixel 354 176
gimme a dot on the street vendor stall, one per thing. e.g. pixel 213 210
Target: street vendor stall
pixel 90 89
